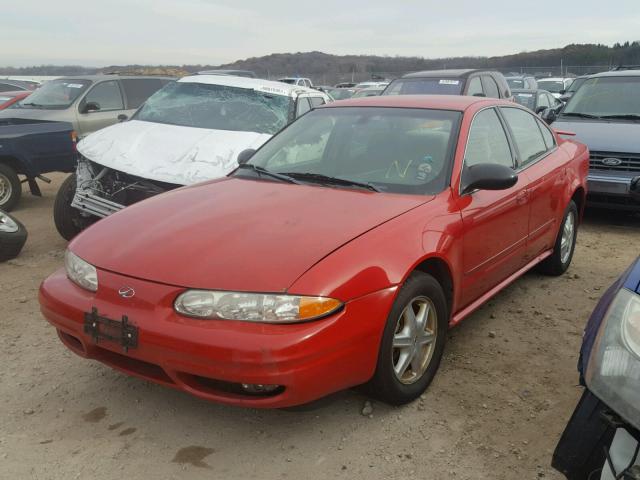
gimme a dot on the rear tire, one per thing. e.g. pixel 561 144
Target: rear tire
pixel 391 382
pixel 13 236
pixel 10 188
pixel 68 220
pixel 565 245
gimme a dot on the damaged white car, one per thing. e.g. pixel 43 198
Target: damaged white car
pixel 190 131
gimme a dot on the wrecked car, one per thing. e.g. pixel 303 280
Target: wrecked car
pixel 190 131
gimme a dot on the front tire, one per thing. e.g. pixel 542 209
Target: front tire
pixel 413 341
pixel 10 188
pixel 565 245
pixel 68 220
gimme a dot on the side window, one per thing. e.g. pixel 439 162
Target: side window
pixel 487 142
pixel 490 86
pixel 526 133
pixel 137 90
pixel 317 101
pixel 475 87
pixel 107 95
pixel 549 140
pixel 543 100
pixel 303 106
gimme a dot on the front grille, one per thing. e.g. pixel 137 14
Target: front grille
pixel 630 162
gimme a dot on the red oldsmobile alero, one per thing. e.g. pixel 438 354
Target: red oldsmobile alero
pixel 338 254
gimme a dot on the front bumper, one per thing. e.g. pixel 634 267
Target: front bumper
pixel 590 432
pixel 201 357
pixel 614 189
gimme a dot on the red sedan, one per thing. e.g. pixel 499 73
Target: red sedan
pixel 9 98
pixel 338 254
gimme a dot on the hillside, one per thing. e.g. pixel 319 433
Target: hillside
pixel 324 67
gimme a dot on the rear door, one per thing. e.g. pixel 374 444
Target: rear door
pixel 495 222
pixel 542 162
pixel 108 97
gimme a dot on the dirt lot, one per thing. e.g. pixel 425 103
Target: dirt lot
pixel 504 393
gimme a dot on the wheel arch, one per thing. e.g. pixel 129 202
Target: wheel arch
pixel 440 269
pixel 15 163
pixel 580 199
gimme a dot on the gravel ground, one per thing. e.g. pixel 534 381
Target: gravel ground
pixel 505 391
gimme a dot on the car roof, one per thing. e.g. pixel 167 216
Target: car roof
pixel 278 88
pixel 527 90
pixel 617 73
pixel 446 73
pixel 437 102
pixel 555 79
pixel 518 76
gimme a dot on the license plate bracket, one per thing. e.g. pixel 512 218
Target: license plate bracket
pixel 120 332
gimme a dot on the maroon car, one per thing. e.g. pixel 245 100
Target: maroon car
pixel 9 98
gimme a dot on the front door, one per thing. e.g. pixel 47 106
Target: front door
pixel 495 222
pixel 108 98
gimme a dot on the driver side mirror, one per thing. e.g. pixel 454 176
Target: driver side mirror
pixel 541 109
pixel 549 115
pixel 91 107
pixel 245 155
pixel 488 176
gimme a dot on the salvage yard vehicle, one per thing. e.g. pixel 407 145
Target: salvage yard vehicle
pixel 89 102
pixel 13 236
pixel 188 132
pixel 522 82
pixel 477 83
pixel 603 435
pixel 298 81
pixel 337 254
pixel 32 148
pixel 604 113
pixel 537 100
pixel 369 92
pixel 556 85
pixel 7 85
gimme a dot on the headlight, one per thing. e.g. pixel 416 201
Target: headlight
pixel 254 307
pixel 613 371
pixel 80 272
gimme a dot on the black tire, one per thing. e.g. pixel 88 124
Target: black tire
pixel 555 265
pixel 10 188
pixel 385 384
pixel 68 220
pixel 13 236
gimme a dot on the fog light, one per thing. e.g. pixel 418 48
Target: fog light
pixel 259 388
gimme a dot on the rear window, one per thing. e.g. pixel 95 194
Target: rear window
pixel 425 86
pixel 138 90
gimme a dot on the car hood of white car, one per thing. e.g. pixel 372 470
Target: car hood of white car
pixel 168 153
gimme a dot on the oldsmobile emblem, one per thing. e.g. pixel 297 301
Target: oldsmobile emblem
pixel 126 292
pixel 611 162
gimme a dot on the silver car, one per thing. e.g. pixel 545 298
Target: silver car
pixel 88 102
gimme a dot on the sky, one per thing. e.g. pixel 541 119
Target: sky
pixel 107 32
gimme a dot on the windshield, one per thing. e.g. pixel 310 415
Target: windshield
pixel 425 86
pixel 392 149
pixel 55 94
pixel 606 96
pixel 341 93
pixel 516 83
pixel 525 99
pixel 217 107
pixel 553 86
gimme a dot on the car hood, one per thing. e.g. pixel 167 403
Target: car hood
pixel 603 136
pixel 168 153
pixel 235 234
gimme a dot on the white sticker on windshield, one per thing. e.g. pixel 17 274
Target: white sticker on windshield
pixel 445 81
pixel 74 85
pixel 526 95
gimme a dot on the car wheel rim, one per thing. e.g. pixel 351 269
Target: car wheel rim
pixel 6 189
pixel 7 224
pixel 566 242
pixel 414 340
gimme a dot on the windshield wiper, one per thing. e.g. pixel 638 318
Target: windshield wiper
pixel 31 104
pixel 623 116
pixel 326 179
pixel 580 115
pixel 269 173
